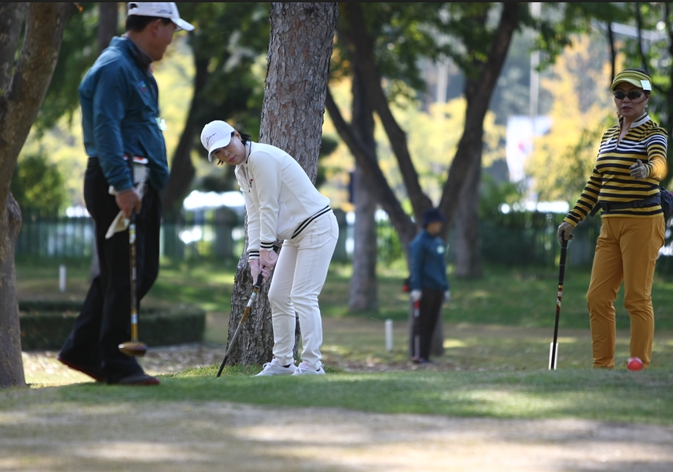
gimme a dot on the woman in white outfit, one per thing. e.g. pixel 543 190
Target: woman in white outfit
pixel 282 203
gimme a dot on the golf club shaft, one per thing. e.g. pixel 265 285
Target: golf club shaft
pixel 132 260
pixel 417 328
pixel 248 307
pixel 562 264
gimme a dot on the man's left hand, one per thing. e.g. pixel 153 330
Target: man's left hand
pixel 447 296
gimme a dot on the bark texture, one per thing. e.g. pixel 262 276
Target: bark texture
pixel 23 85
pixel 300 48
pixel 467 240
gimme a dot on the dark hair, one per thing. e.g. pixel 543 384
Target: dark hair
pixel 245 138
pixel 137 23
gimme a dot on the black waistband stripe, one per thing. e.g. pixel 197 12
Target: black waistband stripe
pixel 309 220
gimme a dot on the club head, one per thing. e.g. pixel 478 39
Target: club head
pixel 133 348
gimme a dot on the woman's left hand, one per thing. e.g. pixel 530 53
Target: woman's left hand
pixel 639 170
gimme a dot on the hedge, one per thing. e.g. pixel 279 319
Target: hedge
pixel 45 324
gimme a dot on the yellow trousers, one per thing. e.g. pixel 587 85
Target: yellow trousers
pixel 626 251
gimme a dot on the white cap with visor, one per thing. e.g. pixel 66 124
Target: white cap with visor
pixel 159 10
pixel 216 135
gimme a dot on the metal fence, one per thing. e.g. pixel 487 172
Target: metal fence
pixel 74 238
pixel 517 239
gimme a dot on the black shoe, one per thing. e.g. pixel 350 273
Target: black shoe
pixel 92 371
pixel 421 360
pixel 138 379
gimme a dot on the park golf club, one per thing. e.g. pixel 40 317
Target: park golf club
pixel 246 312
pixel 133 348
pixel 553 348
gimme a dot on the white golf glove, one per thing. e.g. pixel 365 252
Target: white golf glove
pixel 415 295
pixel 447 296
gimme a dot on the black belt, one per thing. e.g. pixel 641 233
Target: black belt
pixel 308 221
pixel 609 206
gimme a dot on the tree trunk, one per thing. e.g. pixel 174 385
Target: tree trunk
pixel 108 19
pixel 363 284
pixel 300 48
pixel 369 167
pixel 182 168
pixel 11 364
pixel 22 93
pixel 467 240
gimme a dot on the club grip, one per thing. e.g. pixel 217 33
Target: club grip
pixel 258 282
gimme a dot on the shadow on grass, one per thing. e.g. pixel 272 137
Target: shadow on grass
pixel 620 396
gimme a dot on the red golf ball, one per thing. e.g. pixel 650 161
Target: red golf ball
pixel 634 363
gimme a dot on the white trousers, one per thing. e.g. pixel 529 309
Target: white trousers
pixel 297 281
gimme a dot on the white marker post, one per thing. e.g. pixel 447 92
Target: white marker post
pixel 389 335
pixel 61 278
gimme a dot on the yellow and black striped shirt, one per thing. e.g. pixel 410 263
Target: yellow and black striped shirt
pixel 611 180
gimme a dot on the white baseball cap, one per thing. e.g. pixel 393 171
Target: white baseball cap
pixel 160 10
pixel 216 135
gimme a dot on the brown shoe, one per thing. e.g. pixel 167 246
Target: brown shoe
pixel 136 379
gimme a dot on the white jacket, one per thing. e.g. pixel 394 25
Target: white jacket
pixel 278 195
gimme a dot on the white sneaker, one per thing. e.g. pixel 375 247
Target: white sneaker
pixel 305 369
pixel 274 368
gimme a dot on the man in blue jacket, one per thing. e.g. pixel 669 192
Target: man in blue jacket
pixel 121 125
pixel 428 283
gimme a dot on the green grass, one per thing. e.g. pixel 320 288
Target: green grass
pixel 619 396
pixel 510 297
pixel 497 334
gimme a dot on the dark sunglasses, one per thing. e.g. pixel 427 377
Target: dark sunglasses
pixel 633 94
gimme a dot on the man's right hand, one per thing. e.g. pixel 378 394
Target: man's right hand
pixel 415 295
pixel 127 200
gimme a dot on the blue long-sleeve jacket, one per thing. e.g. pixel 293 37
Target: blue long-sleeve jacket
pixel 120 115
pixel 428 263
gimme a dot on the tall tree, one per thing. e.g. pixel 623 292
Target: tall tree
pixel 482 64
pixel 300 47
pixel 23 85
pixel 363 292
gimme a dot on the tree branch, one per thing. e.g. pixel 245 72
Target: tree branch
pixel 478 97
pixel 363 52
pixel 370 167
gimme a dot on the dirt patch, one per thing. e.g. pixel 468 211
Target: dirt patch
pixel 224 436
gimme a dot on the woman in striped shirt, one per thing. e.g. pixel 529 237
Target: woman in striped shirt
pixel 624 185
